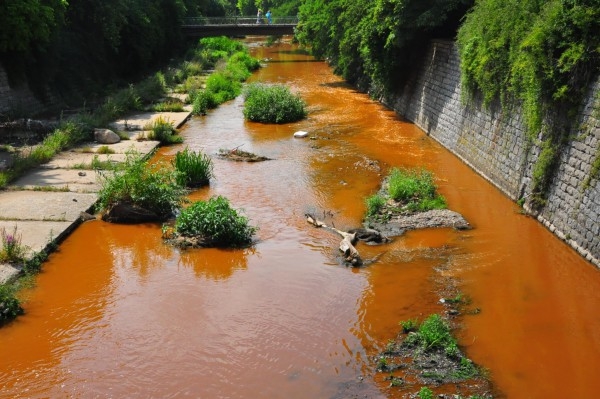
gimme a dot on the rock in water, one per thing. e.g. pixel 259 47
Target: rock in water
pixel 300 134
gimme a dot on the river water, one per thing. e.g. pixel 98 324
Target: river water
pixel 116 313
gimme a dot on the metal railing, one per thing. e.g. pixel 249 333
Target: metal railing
pixel 238 20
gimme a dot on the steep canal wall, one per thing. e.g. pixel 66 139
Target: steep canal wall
pixel 494 143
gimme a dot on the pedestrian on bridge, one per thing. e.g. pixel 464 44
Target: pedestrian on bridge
pixel 259 16
pixel 268 15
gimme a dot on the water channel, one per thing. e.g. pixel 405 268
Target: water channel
pixel 116 313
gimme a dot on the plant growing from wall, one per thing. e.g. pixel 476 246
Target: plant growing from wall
pixel 544 55
pixel 10 306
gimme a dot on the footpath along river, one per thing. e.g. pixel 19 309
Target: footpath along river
pixel 116 313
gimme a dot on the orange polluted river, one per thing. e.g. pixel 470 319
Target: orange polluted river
pixel 116 313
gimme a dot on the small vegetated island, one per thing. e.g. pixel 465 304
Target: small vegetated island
pixel 427 355
pixel 407 200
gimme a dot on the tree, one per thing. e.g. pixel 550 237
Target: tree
pixel 25 23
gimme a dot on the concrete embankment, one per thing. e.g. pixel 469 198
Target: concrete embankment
pixel 45 205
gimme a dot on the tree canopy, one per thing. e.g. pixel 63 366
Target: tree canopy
pixel 373 41
pixel 25 23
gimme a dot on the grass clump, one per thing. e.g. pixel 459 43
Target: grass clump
pixel 216 222
pixel 193 169
pixel 425 393
pixel 162 130
pixel 168 106
pixel 375 204
pixel 104 149
pixel 151 187
pixel 415 189
pixel 273 104
pixel 434 333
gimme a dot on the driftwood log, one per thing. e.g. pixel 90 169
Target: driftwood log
pixel 349 239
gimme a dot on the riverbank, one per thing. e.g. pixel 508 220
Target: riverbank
pixel 46 204
pixel 494 143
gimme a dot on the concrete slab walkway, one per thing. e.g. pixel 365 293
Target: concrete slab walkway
pixel 46 203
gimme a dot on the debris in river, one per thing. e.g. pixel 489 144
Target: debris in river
pixel 238 155
pixel 349 239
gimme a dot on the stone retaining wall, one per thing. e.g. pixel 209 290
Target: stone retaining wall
pixel 495 145
pixel 18 101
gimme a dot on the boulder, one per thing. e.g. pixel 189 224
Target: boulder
pixel 300 134
pixel 129 213
pixel 106 136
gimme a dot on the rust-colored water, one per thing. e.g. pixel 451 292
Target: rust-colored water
pixel 116 313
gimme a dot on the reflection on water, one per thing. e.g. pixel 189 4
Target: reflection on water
pixel 117 313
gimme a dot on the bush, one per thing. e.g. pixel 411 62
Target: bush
pixel 415 189
pixel 223 88
pixel 216 222
pixel 273 104
pixel 152 187
pixel 193 169
pixel 10 307
pixel 203 101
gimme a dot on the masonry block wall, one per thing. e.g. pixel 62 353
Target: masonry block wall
pixel 17 101
pixel 494 143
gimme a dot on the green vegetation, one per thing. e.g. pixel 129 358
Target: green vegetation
pixel 434 333
pixel 425 393
pixel 375 204
pixel 168 106
pixel 415 189
pixel 104 149
pixel 273 104
pixel 404 191
pixel 151 187
pixel 162 130
pixel 10 306
pixel 66 135
pixel 216 223
pixel 544 56
pixel 409 325
pixel 193 169
pixel 372 43
pixel 225 83
pixel 12 251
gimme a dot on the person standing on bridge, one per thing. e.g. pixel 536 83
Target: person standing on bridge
pixel 268 15
pixel 259 16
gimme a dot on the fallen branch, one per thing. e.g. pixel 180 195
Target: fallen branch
pixel 351 255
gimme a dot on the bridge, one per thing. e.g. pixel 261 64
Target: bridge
pixel 238 26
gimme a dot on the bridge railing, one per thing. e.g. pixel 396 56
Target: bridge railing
pixel 238 20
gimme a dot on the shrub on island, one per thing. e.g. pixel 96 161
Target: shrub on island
pixel 273 104
pixel 193 169
pixel 212 223
pixel 136 191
